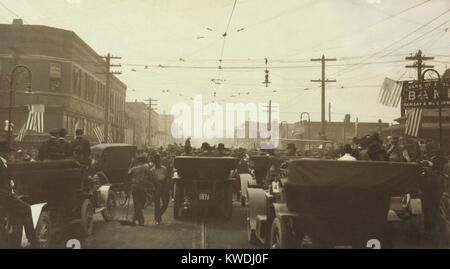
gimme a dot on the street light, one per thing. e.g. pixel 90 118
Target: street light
pixel 11 90
pixel 309 126
pixel 441 146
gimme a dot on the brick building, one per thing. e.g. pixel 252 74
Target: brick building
pixel 68 77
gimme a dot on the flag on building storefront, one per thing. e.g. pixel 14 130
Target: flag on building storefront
pixel 110 137
pixel 22 133
pixel 413 121
pixel 98 131
pixel 35 121
pixel 77 126
pixel 390 93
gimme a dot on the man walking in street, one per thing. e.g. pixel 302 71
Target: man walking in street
pixel 160 179
pixel 140 180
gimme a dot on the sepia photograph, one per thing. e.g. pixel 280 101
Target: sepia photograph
pixel 231 125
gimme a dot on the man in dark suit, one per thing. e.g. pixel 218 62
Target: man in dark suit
pixel 81 148
pixel 49 149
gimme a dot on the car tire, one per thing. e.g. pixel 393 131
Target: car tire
pixel 228 202
pixel 44 231
pixel 280 235
pixel 87 217
pixel 177 200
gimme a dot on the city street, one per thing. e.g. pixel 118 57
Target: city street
pixel 201 233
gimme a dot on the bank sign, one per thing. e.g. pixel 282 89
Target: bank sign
pixel 426 94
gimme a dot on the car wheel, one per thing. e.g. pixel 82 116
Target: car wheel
pixel 44 231
pixel 280 235
pixel 87 218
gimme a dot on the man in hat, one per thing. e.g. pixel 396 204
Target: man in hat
pixel 18 211
pixel 49 149
pixel 160 179
pixel 140 181
pixel 205 149
pixel 221 151
pixel 81 148
pixel 397 153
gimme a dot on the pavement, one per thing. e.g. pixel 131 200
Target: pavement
pixel 201 232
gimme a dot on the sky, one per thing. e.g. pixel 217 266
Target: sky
pixel 181 43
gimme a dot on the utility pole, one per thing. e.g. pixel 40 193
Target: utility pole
pixel 108 74
pixel 269 111
pixel 419 64
pixel 150 109
pixel 323 81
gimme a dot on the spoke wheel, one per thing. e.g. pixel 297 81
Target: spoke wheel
pixel 87 218
pixel 280 235
pixel 44 230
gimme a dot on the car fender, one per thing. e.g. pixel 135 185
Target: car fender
pixel 256 205
pixel 103 194
pixel 36 211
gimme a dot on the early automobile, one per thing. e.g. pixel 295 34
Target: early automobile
pixel 329 203
pixel 259 167
pixel 203 183
pixel 61 193
pixel 110 164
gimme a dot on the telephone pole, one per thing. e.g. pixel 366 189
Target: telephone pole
pixel 269 111
pixel 323 81
pixel 151 104
pixel 108 74
pixel 419 64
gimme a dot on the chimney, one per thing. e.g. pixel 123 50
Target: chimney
pixel 17 22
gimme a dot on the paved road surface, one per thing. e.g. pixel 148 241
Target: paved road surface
pixel 198 233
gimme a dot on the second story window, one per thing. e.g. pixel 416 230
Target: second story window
pixel 55 77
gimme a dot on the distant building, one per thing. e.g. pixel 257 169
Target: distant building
pixel 137 126
pixel 338 132
pixel 67 79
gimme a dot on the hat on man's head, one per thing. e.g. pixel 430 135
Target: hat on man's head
pixel 205 145
pixel 62 132
pixel 221 146
pixel 79 132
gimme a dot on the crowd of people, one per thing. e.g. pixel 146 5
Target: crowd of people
pixel 152 168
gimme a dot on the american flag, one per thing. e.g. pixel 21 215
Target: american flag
pixel 390 93
pixel 35 121
pixel 22 133
pixel 413 121
pixel 110 138
pixel 98 131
